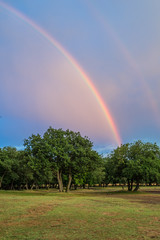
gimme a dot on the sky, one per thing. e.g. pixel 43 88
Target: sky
pixel 89 66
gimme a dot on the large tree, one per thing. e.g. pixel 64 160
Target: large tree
pixel 70 154
pixel 137 163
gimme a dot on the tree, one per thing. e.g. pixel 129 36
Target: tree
pixel 144 161
pixel 69 153
pixel 136 162
pixel 115 163
pixel 56 146
pixel 37 156
pixel 7 164
pixel 24 171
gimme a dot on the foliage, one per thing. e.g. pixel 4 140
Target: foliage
pixel 70 154
pixel 8 165
pixel 64 158
pixel 135 163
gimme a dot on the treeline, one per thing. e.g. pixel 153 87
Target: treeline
pixel 64 158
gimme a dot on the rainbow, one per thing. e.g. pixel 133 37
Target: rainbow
pixel 127 55
pixel 74 63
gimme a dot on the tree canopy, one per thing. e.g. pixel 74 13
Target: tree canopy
pixel 64 158
pixel 65 153
pixel 136 162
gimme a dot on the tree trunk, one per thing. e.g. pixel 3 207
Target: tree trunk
pixel 60 182
pixel 12 187
pixel 137 187
pixel 1 179
pixel 69 181
pixel 26 186
pixel 130 185
pixel 32 186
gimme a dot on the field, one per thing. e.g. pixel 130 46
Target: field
pixel 97 214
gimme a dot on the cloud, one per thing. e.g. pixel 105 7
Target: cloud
pixel 104 150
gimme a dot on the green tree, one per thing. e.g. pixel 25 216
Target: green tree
pixel 56 146
pixel 69 153
pixel 7 165
pixel 137 162
pixel 36 155
pixel 24 171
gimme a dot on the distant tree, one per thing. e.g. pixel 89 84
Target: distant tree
pixel 91 172
pixel 24 171
pixel 144 160
pixel 8 161
pixel 116 162
pixel 136 162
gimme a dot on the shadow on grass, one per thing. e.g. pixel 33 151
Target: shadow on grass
pixel 108 191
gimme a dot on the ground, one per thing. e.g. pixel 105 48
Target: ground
pixel 97 214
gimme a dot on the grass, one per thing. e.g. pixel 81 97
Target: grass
pixel 97 214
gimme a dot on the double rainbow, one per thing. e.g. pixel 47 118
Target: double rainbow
pixel 128 57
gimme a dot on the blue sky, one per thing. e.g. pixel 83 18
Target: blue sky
pixel 117 43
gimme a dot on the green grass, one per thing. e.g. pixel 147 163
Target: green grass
pixel 96 214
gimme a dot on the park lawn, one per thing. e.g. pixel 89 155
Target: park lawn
pixel 79 215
